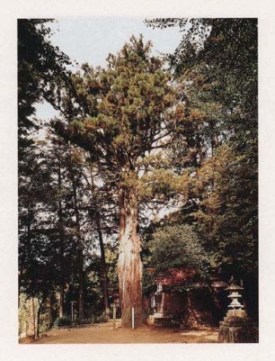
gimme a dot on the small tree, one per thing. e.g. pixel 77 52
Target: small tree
pixel 178 246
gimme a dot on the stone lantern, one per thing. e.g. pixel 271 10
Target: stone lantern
pixel 235 307
pixel 236 326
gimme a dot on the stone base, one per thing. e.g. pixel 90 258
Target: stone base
pixel 160 320
pixel 236 327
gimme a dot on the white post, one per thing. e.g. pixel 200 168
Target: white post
pixel 133 317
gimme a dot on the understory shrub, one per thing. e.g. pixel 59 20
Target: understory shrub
pixel 62 321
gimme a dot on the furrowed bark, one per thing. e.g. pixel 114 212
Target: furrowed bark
pixel 129 261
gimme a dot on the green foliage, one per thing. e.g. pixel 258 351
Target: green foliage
pixel 101 319
pixel 223 222
pixel 121 114
pixel 62 321
pixel 83 321
pixel 176 247
pixel 216 63
pixel 40 68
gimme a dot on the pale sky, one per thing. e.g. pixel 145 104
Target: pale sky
pixel 92 39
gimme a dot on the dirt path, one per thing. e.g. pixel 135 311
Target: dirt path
pixel 104 333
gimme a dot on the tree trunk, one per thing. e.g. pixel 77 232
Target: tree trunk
pixel 61 301
pixel 129 261
pixel 103 266
pixel 103 270
pixel 51 311
pixel 80 252
pixel 81 293
pixel 61 247
pixel 33 316
pixel 38 318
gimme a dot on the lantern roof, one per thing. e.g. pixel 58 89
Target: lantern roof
pixel 234 287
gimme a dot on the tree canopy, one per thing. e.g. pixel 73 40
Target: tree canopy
pixel 216 62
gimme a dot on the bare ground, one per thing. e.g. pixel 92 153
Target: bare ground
pixel 105 333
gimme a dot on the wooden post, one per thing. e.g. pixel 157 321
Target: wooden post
pixel 133 318
pixel 114 316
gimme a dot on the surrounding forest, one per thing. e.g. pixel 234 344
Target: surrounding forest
pixel 151 165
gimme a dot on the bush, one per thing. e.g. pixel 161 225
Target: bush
pixel 62 321
pixel 101 319
pixel 179 246
pixel 83 321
